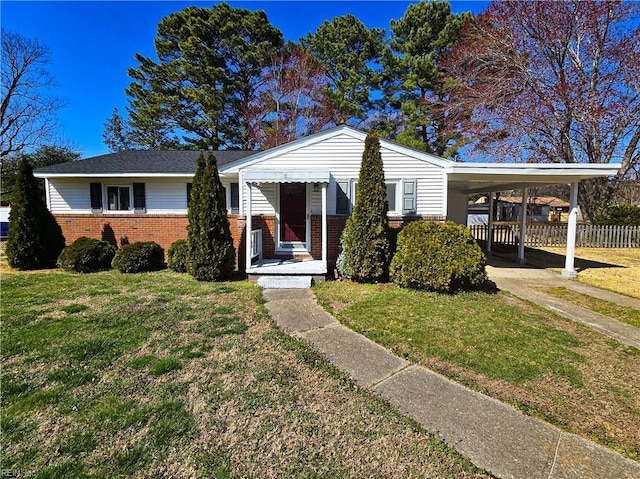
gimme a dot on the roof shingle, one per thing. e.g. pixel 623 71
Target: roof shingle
pixel 143 161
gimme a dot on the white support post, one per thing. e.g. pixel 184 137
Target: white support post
pixel 247 229
pixel 324 223
pixel 47 193
pixel 523 226
pixel 490 224
pixel 569 270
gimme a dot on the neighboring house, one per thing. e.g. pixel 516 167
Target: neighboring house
pixel 295 198
pixel 4 222
pixel 539 208
pixel 508 208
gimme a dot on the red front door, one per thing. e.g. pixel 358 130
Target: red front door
pixel 293 212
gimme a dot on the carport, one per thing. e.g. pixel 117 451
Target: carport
pixel 468 178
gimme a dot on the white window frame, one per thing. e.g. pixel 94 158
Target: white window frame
pixel 105 197
pixel 399 188
pixel 227 193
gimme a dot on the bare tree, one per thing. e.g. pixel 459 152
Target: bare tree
pixel 554 82
pixel 291 101
pixel 27 112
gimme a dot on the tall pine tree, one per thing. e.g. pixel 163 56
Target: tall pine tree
pixel 210 252
pixel 35 239
pixel 414 83
pixel 350 53
pixel 364 242
pixel 210 62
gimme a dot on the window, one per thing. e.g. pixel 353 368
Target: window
pixel 391 196
pixel 234 193
pixel 407 201
pixel 118 198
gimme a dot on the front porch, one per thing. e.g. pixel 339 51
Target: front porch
pixel 289 248
pixel 289 267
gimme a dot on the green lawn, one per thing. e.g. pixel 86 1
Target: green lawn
pixel 149 375
pixel 543 364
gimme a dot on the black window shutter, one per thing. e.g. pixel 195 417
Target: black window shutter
pixel 235 197
pixel 188 194
pixel 139 200
pixel 96 196
pixel 342 199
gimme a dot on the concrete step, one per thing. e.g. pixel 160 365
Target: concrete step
pixel 285 282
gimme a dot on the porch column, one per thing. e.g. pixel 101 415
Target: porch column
pixel 490 224
pixel 523 226
pixel 568 270
pixel 324 222
pixel 247 229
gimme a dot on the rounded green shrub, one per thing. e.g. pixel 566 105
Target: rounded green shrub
pixel 140 256
pixel 437 257
pixel 177 256
pixel 87 255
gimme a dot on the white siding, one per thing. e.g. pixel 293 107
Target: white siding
pixel 342 154
pixel 163 195
pixel 263 199
pixel 69 196
pixel 457 207
pixel 166 195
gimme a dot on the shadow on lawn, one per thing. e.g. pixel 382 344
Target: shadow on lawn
pixel 545 259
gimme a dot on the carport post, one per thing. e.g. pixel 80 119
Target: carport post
pixel 523 226
pixel 490 224
pixel 568 270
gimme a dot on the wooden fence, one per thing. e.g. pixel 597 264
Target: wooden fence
pixel 588 236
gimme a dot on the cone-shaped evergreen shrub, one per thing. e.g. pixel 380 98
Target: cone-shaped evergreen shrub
pixel 437 257
pixel 364 244
pixel 210 253
pixel 35 239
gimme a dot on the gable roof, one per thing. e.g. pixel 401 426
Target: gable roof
pixel 140 162
pixel 537 200
pixel 328 134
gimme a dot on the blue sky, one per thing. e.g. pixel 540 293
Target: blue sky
pixel 92 45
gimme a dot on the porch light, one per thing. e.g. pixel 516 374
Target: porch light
pixel 316 187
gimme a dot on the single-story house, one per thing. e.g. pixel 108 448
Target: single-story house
pixel 291 201
pixel 539 208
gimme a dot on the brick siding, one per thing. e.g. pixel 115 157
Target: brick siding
pixel 165 229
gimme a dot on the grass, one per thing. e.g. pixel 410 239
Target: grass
pixel 541 363
pixel 625 314
pixel 149 375
pixel 613 269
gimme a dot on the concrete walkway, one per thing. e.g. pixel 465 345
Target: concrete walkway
pixel 493 435
pixel 527 283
